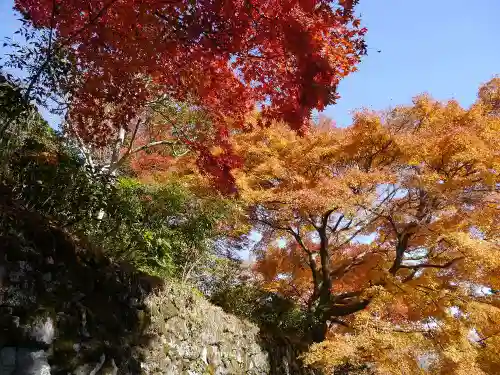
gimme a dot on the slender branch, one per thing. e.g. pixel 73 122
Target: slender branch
pixel 312 221
pixel 114 166
pixel 393 225
pixel 117 161
pixel 299 240
pixel 48 57
pixel 347 226
pixel 342 270
pixel 153 144
pixel 363 226
pixel 410 276
pixel 86 152
pixel 334 229
pixel 427 265
pixel 401 247
pixel 134 134
pixel 310 256
pixel 273 226
pixel 488 337
pixel 326 217
pixel 347 295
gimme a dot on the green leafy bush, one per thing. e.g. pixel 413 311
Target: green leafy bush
pixel 268 310
pixel 18 121
pixel 162 229
pixel 165 230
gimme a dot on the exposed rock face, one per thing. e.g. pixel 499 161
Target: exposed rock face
pixel 191 336
pixel 67 310
pixel 61 304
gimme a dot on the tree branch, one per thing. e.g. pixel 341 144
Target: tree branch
pixel 325 258
pixel 347 309
pixel 347 226
pixel 488 337
pixel 344 269
pixel 335 227
pixel 48 57
pixel 427 265
pixel 401 247
pixel 132 139
pixel 346 295
pixel 274 226
pixel 153 144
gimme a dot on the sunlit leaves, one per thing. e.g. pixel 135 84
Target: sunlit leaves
pixel 421 183
pixel 224 57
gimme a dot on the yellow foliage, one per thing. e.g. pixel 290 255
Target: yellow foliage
pixel 423 181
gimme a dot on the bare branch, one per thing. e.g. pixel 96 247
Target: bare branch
pixel 153 144
pixel 335 227
pixel 347 295
pixel 344 269
pixel 134 134
pixel 347 309
pixel 347 226
pixel 427 265
pixel 85 151
pixel 274 226
pixel 488 337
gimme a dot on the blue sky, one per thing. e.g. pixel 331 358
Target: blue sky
pixel 444 47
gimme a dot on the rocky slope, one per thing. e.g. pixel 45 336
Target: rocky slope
pixel 67 309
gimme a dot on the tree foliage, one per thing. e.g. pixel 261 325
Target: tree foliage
pixel 18 120
pixel 386 233
pixel 296 51
pixel 221 57
pixel 165 229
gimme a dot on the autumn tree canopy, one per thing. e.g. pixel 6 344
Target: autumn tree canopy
pixel 222 57
pixel 386 233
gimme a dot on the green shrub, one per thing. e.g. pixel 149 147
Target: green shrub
pixel 165 230
pixel 268 310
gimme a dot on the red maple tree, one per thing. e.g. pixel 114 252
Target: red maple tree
pixel 225 57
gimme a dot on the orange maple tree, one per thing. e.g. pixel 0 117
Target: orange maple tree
pixel 223 57
pixel 386 233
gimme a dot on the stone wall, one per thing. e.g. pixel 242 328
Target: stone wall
pixel 67 309
pixel 191 336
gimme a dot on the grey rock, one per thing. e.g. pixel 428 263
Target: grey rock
pixel 109 368
pixel 43 331
pixel 7 359
pixel 200 338
pixel 83 369
pixel 30 362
